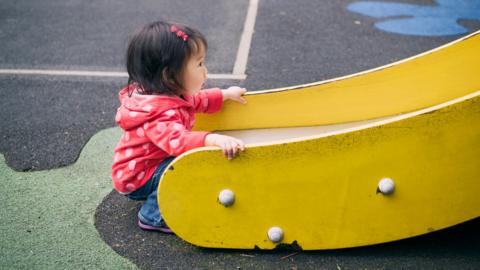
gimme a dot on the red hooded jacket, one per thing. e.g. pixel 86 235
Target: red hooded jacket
pixel 156 127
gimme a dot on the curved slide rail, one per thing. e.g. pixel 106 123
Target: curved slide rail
pixel 321 190
pixel 422 81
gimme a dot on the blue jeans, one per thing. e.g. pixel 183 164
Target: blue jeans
pixel 150 212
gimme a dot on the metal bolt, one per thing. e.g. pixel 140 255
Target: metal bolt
pixel 386 186
pixel 226 197
pixel 275 234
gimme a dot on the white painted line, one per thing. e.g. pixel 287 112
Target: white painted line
pixel 227 76
pixel 245 41
pixel 63 72
pixel 87 73
pixel 239 68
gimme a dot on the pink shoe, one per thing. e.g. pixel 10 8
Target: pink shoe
pixel 164 228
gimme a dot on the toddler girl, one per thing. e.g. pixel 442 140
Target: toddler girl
pixel 165 64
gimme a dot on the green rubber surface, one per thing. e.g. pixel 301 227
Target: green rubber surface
pixel 47 217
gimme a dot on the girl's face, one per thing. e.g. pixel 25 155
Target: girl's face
pixel 195 73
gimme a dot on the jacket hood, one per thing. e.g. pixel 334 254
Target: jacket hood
pixel 136 109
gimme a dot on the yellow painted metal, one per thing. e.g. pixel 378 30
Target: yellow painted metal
pixel 322 190
pixel 431 78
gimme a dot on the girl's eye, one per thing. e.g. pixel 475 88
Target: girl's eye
pixel 200 64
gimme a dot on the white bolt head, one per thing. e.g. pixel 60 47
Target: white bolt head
pixel 275 234
pixel 386 186
pixel 226 197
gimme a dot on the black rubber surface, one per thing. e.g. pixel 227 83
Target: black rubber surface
pixel 457 247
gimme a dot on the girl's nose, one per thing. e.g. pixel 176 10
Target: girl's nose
pixel 206 72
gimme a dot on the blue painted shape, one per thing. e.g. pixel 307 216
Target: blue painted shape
pixel 420 20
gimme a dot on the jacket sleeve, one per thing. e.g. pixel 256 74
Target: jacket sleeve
pixel 208 100
pixel 169 134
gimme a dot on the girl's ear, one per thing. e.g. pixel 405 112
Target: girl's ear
pixel 165 75
pixel 168 78
pixel 172 81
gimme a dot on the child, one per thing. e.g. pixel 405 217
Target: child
pixel 166 69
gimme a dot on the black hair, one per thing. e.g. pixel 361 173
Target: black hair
pixel 156 57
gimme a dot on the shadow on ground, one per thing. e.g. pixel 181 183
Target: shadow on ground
pixel 115 219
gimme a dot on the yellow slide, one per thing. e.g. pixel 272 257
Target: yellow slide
pixel 425 80
pixel 370 158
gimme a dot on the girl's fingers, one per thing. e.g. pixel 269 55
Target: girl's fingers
pixel 229 151
pixel 231 148
pixel 224 148
pixel 239 99
pixel 237 93
pixel 240 144
pixel 235 148
pixel 242 100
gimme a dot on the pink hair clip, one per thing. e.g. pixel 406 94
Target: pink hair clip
pixel 179 33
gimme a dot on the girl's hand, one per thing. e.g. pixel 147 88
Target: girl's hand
pixel 229 145
pixel 234 93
